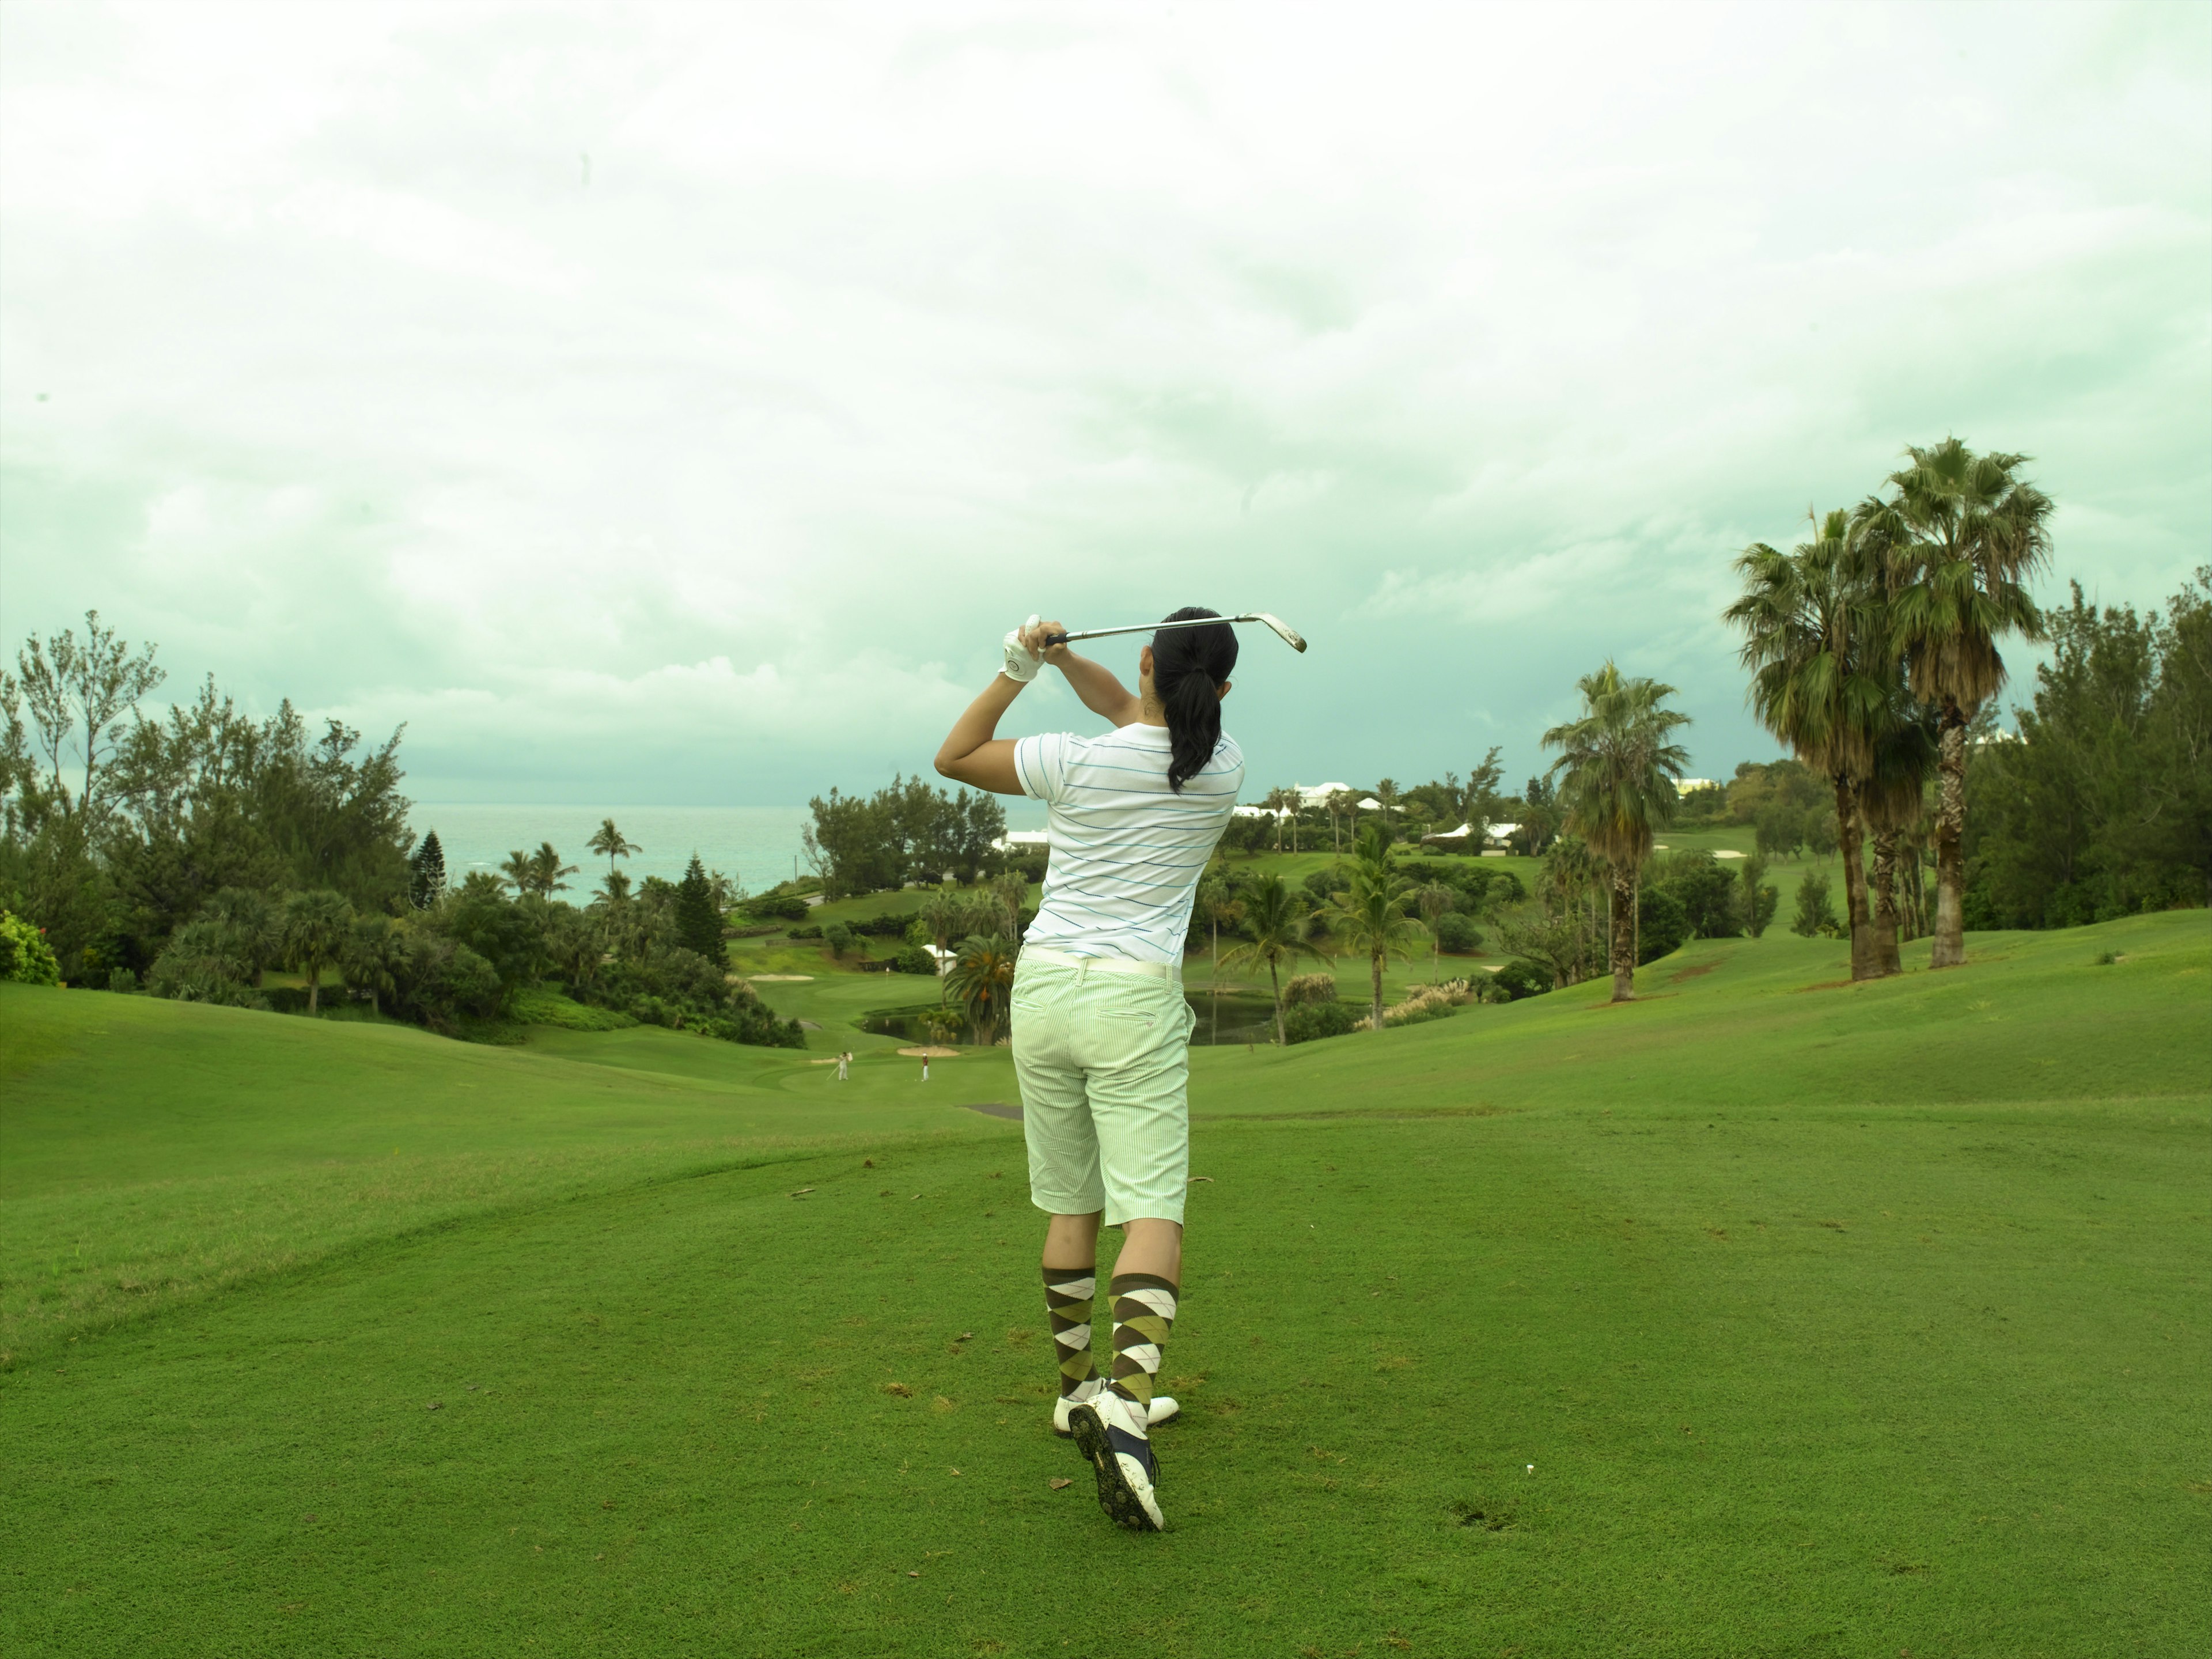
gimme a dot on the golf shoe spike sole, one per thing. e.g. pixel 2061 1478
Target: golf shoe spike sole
pixel 1124 1504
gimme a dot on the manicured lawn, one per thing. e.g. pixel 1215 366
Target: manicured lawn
pixel 1833 1320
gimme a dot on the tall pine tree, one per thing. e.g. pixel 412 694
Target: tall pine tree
pixel 698 923
pixel 426 865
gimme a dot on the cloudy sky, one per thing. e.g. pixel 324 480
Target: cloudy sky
pixel 664 404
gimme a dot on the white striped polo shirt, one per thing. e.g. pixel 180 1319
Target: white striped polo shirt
pixel 1127 851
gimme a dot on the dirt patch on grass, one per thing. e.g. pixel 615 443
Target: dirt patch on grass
pixel 1703 968
pixel 1826 985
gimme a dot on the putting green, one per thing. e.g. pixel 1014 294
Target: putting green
pixel 1833 1320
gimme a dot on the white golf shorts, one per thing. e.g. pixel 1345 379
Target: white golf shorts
pixel 1104 1061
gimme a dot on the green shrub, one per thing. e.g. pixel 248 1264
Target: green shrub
pixel 25 955
pixel 1816 914
pixel 1661 924
pixel 814 930
pixel 1312 1020
pixel 539 1006
pixel 207 961
pixel 1309 988
pixel 1520 979
pixel 913 959
pixel 123 981
pixel 1322 882
pixel 780 907
pixel 1457 933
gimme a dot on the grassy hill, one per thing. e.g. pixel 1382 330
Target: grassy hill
pixel 1833 1319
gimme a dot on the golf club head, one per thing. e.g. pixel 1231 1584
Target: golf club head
pixel 1289 635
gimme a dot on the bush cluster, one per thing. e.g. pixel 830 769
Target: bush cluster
pixel 25 955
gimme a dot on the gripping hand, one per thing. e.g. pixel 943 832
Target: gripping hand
pixel 1021 666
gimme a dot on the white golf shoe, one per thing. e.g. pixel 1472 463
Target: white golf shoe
pixel 1163 1407
pixel 1110 1432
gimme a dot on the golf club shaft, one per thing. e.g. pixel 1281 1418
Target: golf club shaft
pixel 1295 641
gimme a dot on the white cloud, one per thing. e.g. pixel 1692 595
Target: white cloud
pixel 644 375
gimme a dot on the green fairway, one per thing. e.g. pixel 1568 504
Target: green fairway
pixel 1833 1319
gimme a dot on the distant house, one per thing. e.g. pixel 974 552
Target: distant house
pixel 1494 835
pixel 1318 794
pixel 1023 840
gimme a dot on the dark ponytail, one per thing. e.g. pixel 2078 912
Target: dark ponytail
pixel 1189 667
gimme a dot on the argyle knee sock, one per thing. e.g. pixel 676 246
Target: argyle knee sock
pixel 1067 1296
pixel 1144 1312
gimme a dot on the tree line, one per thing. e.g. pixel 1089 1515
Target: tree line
pixel 906 832
pixel 192 853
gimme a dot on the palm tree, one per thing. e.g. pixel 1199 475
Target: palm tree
pixel 1012 890
pixel 1217 909
pixel 255 923
pixel 1369 917
pixel 1274 802
pixel 1434 901
pixel 1339 803
pixel 982 977
pixel 941 912
pixel 1387 792
pixel 365 959
pixel 315 928
pixel 607 842
pixel 1957 542
pixel 546 871
pixel 1619 788
pixel 1275 925
pixel 1891 801
pixel 1816 639
pixel 1569 876
pixel 520 871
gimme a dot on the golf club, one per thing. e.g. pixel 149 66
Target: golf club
pixel 1289 635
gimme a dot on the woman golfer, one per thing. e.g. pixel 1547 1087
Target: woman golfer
pixel 1102 1032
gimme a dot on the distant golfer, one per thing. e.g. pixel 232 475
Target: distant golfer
pixel 1101 1031
pixel 843 1060
pixel 924 1065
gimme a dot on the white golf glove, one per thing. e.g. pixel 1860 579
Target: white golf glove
pixel 1020 665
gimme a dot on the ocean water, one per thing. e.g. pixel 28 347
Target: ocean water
pixel 755 844
pixel 758 845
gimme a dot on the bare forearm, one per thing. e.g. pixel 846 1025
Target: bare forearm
pixel 1094 683
pixel 972 752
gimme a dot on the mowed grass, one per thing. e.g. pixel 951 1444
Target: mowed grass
pixel 1833 1320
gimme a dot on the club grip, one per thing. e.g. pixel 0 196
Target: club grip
pixel 1054 639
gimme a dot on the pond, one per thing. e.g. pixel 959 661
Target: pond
pixel 1234 1017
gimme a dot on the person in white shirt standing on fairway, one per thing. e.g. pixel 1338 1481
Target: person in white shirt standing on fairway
pixel 1101 1031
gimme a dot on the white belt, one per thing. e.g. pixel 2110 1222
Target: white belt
pixel 1101 964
